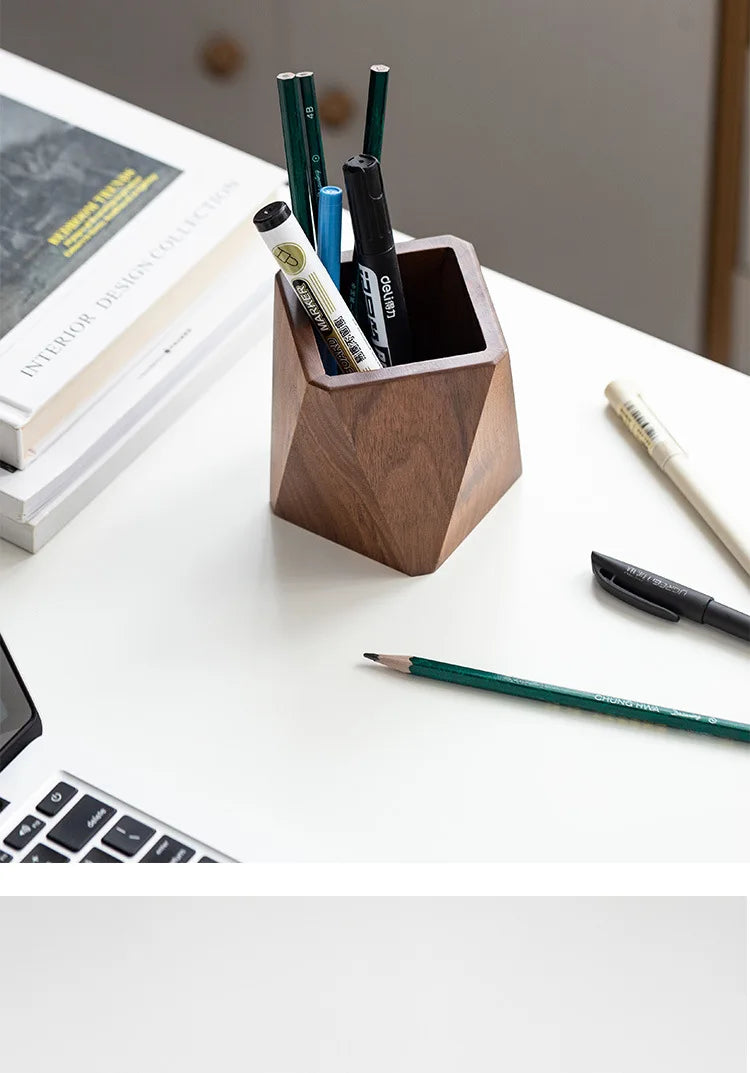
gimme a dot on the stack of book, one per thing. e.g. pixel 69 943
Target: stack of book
pixel 128 270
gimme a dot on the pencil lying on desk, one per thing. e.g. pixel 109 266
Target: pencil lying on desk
pixel 568 698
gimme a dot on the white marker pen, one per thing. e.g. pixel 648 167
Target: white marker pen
pixel 628 403
pixel 315 289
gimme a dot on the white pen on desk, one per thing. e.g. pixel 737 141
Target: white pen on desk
pixel 628 403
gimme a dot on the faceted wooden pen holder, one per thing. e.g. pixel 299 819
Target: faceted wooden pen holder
pixel 398 464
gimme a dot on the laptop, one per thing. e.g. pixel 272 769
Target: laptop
pixel 53 812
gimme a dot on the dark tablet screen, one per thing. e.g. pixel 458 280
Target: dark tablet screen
pixel 15 708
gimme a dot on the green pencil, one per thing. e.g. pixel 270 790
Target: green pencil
pixel 375 115
pixel 295 150
pixel 372 144
pixel 568 698
pixel 316 161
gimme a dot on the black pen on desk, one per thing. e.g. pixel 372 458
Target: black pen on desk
pixel 387 320
pixel 666 599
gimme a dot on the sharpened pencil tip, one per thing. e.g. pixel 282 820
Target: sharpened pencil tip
pixel 372 655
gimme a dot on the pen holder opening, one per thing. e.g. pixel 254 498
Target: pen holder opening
pixel 402 463
pixel 442 317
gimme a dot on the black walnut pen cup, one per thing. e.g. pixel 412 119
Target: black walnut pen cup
pixel 398 464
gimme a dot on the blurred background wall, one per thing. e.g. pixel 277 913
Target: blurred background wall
pixel 572 142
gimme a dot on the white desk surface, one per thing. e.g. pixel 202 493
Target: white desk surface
pixel 215 649
pixel 574 985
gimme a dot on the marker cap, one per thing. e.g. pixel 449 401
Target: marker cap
pixel 329 230
pixel 272 215
pixel 367 204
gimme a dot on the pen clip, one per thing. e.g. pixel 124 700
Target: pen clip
pixel 608 581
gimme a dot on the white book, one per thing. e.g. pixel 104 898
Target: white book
pixel 105 210
pixel 37 529
pixel 152 374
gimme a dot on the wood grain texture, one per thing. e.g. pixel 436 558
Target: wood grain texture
pixel 727 176
pixel 402 463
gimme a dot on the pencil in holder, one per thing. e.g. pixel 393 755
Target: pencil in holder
pixel 398 464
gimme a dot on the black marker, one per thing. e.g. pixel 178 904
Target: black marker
pixel 386 319
pixel 664 598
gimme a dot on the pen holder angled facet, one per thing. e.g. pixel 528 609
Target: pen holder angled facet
pixel 402 463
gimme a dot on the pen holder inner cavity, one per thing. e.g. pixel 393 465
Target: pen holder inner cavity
pixel 442 317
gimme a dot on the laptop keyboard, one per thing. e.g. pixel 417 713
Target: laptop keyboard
pixel 73 822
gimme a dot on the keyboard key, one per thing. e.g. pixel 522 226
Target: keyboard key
pixel 5 858
pixel 168 851
pixel 20 836
pixel 56 799
pixel 79 826
pixel 3 803
pixel 42 854
pixel 98 856
pixel 128 836
pixel 207 860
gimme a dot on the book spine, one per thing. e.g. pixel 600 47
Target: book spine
pixel 11 445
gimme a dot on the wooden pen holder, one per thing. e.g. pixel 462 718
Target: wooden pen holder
pixel 398 464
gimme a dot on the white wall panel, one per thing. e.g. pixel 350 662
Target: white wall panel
pixel 570 141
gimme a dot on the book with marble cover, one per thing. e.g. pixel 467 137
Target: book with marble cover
pixel 105 211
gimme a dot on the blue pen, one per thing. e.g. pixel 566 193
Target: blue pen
pixel 329 247
pixel 329 231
